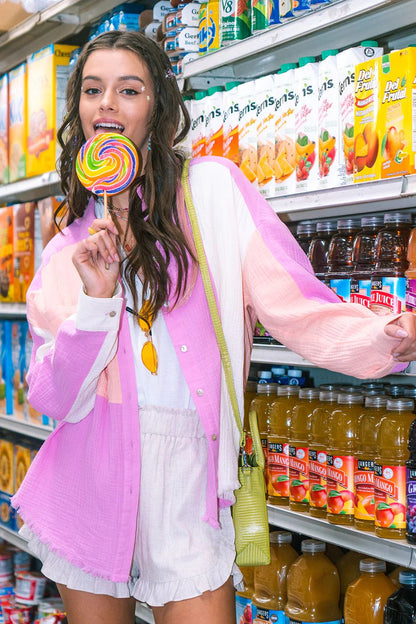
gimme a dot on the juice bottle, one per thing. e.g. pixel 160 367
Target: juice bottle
pixel 266 393
pixel 318 250
pixel 317 452
pixel 364 461
pixel 299 448
pixel 304 234
pixel 235 23
pixel 411 273
pixel 366 597
pixel 390 469
pixel 306 124
pixel 340 257
pixel 394 575
pixel 388 283
pixel 249 394
pixel 313 587
pixel 243 598
pixel 342 435
pixel 411 486
pixel 270 582
pixel 363 259
pixel 348 569
pixel 278 444
pixel 401 606
pixel 284 116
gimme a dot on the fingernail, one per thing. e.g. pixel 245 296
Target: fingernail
pixel 116 257
pixel 402 333
pixel 109 259
pixel 396 355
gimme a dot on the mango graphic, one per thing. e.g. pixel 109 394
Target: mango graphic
pixel 366 147
pixel 285 160
pixel 392 145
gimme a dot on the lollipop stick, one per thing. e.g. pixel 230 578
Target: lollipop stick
pixel 107 266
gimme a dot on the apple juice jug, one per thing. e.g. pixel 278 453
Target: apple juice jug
pixel 363 259
pixel 390 468
pixel 278 444
pixel 266 393
pixel 348 567
pixel 313 587
pixel 318 249
pixel 375 409
pixel 299 448
pixel 243 606
pixel 366 597
pixel 270 588
pixel 401 606
pixel 342 435
pixel 340 257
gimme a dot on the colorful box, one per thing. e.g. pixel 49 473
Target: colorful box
pixel 4 129
pixel 23 249
pixel 285 134
pixel 19 371
pixel 367 159
pixel 17 122
pixel 6 254
pixel 48 73
pixel 6 466
pixel 22 461
pixel 7 513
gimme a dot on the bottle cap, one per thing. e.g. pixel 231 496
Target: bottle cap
pixel 285 67
pixel 278 370
pixel 309 393
pixel 397 217
pixel 400 405
pixel 407 577
pixel 216 89
pixel 350 398
pixel 294 372
pixel 307 227
pixel 328 396
pixel 251 385
pixel 200 94
pixel 327 53
pixel 376 400
pixel 280 537
pixel 346 224
pixel 326 226
pixel 304 60
pixel 372 221
pixel 372 565
pixel 395 390
pixel 230 85
pixel 288 390
pixel 369 43
pixel 264 374
pixel 312 546
pixel 266 388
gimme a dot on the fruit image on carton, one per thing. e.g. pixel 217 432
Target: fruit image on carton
pixel 284 120
pixel 4 129
pixel 17 123
pixel 366 136
pixel 265 135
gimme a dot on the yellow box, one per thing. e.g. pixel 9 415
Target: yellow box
pixel 48 73
pixel 23 248
pixel 397 113
pixel 366 135
pixel 17 122
pixel 22 461
pixel 6 254
pixel 6 466
pixel 4 129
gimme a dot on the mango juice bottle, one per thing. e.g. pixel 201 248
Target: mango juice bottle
pixel 366 597
pixel 341 458
pixel 243 604
pixel 364 461
pixel 348 567
pixel 390 469
pixel 278 444
pixel 299 448
pixel 313 587
pixel 270 582
pixel 266 393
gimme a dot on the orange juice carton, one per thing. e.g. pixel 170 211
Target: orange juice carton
pixel 198 116
pixel 265 134
pixel 23 248
pixel 306 124
pixel 214 122
pixel 285 138
pixel 247 130
pixel 328 119
pixel 230 121
pixel 6 254
pixel 17 122
pixel 397 113
pixel 4 129
pixel 367 141
pixel 6 466
pixel 47 76
pixel 346 62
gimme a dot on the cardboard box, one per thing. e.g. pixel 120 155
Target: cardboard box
pixel 6 254
pixel 6 466
pixel 12 13
pixel 17 122
pixel 7 513
pixel 23 249
pixel 4 129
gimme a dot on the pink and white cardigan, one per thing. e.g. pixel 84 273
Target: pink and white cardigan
pixel 81 493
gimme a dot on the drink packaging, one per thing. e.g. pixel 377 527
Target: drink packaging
pixel 4 129
pixel 265 135
pixel 411 273
pixel 230 121
pixel 401 606
pixel 17 122
pixel 198 116
pixel 214 122
pixel 366 597
pixel 328 120
pixel 306 124
pixel 235 20
pixel 285 137
pixel 247 130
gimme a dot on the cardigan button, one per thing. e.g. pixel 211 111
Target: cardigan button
pixel 200 392
pixel 214 437
pixel 184 348
pixel 112 313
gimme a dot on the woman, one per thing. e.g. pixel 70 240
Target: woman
pixel 129 498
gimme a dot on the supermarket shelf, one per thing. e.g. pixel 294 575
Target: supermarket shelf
pixel 13 538
pixel 33 431
pixel 144 613
pixel 277 354
pixel 31 189
pixel 12 310
pixel 396 551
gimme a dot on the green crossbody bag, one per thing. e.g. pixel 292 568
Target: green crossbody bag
pixel 249 510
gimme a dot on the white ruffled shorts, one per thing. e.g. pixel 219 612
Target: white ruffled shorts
pixel 177 555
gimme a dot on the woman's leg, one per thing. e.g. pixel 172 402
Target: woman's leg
pixel 212 606
pixel 86 608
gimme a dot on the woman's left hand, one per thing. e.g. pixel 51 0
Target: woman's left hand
pixel 404 329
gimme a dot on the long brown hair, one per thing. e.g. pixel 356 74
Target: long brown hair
pixel 153 216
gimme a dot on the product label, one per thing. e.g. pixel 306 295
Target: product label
pixel 361 292
pixel 390 496
pixel 342 288
pixel 340 484
pixel 411 500
pixel 388 294
pixel 268 615
pixel 243 610
pixel 235 21
pixel 317 479
pixel 411 295
pixel 291 621
pixel 364 489
pixel 278 469
pixel 299 474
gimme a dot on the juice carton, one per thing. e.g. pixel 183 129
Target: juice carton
pixel 213 25
pixel 6 254
pixel 213 122
pixel 4 129
pixel 328 119
pixel 285 137
pixel 47 76
pixel 346 62
pixel 265 135
pixel 247 130
pixel 17 122
pixel 23 248
pixel 230 121
pixel 203 28
pixel 198 124
pixel 306 124
pixel 6 466
pixel 266 13
pixel 367 161
pixel 397 113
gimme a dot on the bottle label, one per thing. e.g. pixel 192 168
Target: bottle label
pixel 411 500
pixel 364 489
pixel 243 610
pixel 342 288
pixel 278 467
pixel 411 295
pixel 317 479
pixel 361 292
pixel 266 460
pixel 340 484
pixel 390 496
pixel 271 616
pixel 299 474
pixel 388 294
pixel 292 621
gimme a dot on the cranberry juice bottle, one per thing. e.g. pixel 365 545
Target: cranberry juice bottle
pixel 363 258
pixel 340 257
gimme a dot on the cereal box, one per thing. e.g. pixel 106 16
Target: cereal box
pixel 19 370
pixel 46 209
pixel 6 466
pixel 6 254
pixel 7 513
pixel 17 122
pixel 22 460
pixel 23 248
pixel 48 73
pixel 4 129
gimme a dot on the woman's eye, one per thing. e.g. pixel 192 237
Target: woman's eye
pixel 91 91
pixel 129 92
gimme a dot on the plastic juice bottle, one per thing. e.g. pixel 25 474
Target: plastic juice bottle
pixel 411 273
pixel 390 468
pixel 328 120
pixel 348 569
pixel 375 409
pixel 306 124
pixel 340 257
pixel 411 486
pixel 213 122
pixel 285 137
pixel 313 587
pixel 304 234
pixel 318 249
pixel 243 605
pixel 342 437
pixel 266 393
pixel 265 89
pixel 270 582
pixel 317 452
pixel 278 444
pixel 388 283
pixel 299 448
pixel 230 121
pixel 363 259
pixel 366 597
pixel 198 124
pixel 401 606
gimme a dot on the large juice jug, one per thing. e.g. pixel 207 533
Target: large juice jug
pixel 348 569
pixel 318 443
pixel 299 448
pixel 278 444
pixel 411 273
pixel 401 606
pixel 366 597
pixel 411 486
pixel 364 461
pixel 243 606
pixel 265 89
pixel 363 259
pixel 230 121
pixel 270 582
pixel 342 437
pixel 340 257
pixel 390 468
pixel 313 587
pixel 266 393
pixel 318 249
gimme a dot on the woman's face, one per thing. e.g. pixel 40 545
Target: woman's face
pixel 117 96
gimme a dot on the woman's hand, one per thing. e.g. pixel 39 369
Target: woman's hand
pixel 96 259
pixel 403 328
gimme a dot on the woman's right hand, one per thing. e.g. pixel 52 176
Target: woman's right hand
pixel 96 259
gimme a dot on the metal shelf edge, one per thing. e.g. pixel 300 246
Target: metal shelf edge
pixel 28 429
pixel 13 538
